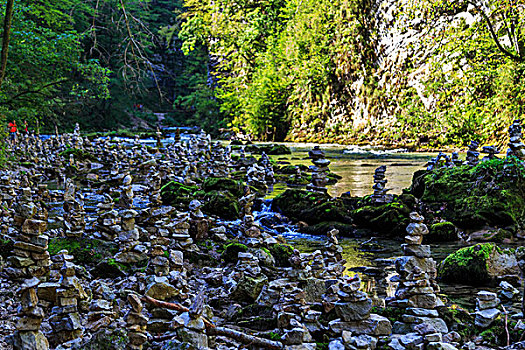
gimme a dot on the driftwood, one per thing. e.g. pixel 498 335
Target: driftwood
pixel 245 338
pixel 211 329
pixel 173 306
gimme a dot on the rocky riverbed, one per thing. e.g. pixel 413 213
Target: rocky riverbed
pixel 126 244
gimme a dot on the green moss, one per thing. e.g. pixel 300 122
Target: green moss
pixel 281 254
pixel 176 193
pixel 84 250
pixel 294 202
pixel 121 267
pixel 78 154
pixel 232 250
pixel 223 204
pixel 442 232
pixel 491 193
pixel 236 188
pixel 391 218
pixel 468 265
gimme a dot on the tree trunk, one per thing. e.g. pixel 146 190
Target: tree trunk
pixel 5 39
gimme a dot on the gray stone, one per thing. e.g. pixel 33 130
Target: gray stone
pixel 374 325
pixel 30 341
pixel 336 345
pixel 484 318
pixel 420 251
pixel 440 346
pixel 353 311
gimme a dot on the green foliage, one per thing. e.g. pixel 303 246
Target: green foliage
pixel 85 251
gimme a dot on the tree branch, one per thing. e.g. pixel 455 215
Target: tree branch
pixel 493 34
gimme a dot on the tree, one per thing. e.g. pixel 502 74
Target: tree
pixel 5 39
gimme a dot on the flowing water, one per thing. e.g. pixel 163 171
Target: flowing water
pixel 373 258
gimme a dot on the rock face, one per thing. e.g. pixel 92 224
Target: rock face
pixel 478 265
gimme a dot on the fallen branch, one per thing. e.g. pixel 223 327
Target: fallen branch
pixel 506 325
pixel 245 338
pixel 173 306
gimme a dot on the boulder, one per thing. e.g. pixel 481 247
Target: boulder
pixel 478 265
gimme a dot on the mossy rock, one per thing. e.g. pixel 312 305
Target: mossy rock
pixel 292 169
pixel 476 265
pixel 235 187
pixel 231 252
pixel 6 248
pixel 270 149
pixel 329 211
pixel 489 194
pixel 281 254
pixel 294 202
pixel 324 227
pixel 174 193
pixel 78 154
pixel 86 251
pixel 391 218
pixel 223 204
pixel 442 232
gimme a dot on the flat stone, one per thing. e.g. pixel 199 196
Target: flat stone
pixel 440 346
pixel 374 325
pixel 353 311
pixel 484 318
pixel 161 291
pixel 421 251
pixel 422 312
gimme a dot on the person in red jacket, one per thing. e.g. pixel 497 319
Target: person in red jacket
pixel 12 132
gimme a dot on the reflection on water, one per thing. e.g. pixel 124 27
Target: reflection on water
pixel 356 165
pixel 374 261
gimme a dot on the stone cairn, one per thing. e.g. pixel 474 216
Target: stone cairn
pixel 380 190
pixel 358 328
pixel 107 220
pixel 417 286
pixel 256 177
pixel 269 173
pixel 490 152
pixel 159 264
pixel 333 259
pixel 30 256
pixel 516 147
pixel 130 249
pixel 65 318
pixel 319 170
pixel 455 159
pixel 74 214
pixel 486 308
pixel 29 317
pixel 136 324
pixel 472 154
pixel 198 223
pixel 126 194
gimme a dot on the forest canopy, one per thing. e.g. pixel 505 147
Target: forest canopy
pixel 408 72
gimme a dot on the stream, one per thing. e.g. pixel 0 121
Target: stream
pixel 373 259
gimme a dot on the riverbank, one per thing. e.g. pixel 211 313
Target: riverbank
pixel 171 243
